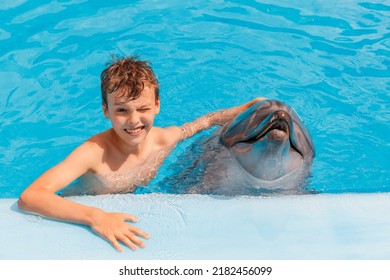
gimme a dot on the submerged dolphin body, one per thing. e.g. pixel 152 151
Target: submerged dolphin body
pixel 266 149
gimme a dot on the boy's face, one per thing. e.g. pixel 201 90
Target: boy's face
pixel 132 120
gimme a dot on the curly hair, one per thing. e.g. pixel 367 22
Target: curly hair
pixel 127 77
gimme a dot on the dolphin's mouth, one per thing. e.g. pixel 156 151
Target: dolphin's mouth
pixel 277 130
pixel 277 126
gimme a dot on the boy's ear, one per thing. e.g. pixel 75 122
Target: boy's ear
pixel 157 108
pixel 105 110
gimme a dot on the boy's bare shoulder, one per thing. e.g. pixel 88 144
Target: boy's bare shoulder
pixel 89 156
pixel 99 141
pixel 91 151
pixel 167 136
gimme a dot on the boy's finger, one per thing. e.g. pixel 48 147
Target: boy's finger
pixel 135 239
pixel 125 240
pixel 129 217
pixel 115 243
pixel 139 232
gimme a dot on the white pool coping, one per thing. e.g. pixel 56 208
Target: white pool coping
pixel 336 227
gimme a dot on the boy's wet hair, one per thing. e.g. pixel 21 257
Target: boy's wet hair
pixel 127 76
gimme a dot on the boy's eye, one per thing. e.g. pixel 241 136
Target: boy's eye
pixel 121 110
pixel 144 109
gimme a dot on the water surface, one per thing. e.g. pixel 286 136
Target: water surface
pixel 328 59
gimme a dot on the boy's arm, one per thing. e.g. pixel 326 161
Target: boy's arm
pixel 221 117
pixel 40 198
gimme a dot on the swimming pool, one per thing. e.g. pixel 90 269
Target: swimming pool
pixel 329 61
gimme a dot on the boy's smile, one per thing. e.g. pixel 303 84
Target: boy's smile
pixel 135 131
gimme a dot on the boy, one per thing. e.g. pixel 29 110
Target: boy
pixel 119 159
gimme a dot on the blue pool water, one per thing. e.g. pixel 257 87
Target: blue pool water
pixel 328 59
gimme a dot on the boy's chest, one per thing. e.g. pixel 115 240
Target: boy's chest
pixel 138 171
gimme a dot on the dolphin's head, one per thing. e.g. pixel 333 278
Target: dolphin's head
pixel 268 140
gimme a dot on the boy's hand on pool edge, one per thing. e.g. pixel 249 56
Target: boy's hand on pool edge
pixel 114 228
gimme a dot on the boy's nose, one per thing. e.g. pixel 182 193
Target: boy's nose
pixel 133 119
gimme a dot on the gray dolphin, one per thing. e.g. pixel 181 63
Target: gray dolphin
pixel 266 149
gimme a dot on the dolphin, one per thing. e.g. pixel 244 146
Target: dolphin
pixel 264 150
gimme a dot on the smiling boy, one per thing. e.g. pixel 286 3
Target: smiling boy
pixel 119 159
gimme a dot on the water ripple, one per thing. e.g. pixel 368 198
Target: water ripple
pixel 327 59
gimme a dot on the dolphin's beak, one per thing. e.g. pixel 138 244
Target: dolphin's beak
pixel 252 132
pixel 279 120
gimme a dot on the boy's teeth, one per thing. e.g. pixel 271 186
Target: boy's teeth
pixel 133 130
